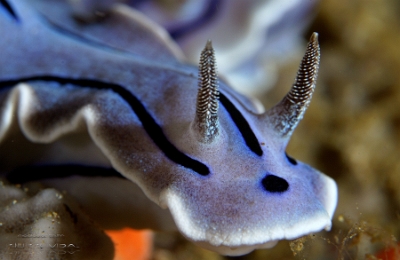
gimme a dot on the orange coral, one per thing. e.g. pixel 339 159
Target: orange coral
pixel 131 244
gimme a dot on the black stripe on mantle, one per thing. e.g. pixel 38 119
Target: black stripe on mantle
pixel 149 124
pixel 243 126
pixel 9 9
pixel 30 173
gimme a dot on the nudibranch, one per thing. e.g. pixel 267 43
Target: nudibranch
pixel 139 140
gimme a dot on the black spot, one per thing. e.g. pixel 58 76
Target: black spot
pixel 274 183
pixel 291 160
pixel 8 8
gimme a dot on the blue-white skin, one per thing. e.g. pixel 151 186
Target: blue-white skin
pixel 248 36
pixel 67 93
